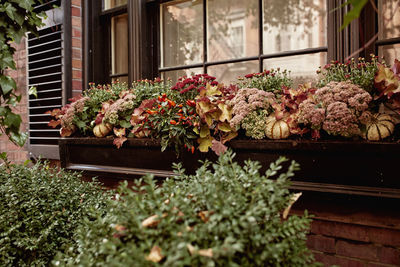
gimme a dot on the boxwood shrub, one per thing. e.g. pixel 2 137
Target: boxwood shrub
pixel 40 208
pixel 223 215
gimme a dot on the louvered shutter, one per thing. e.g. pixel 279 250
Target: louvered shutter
pixel 46 71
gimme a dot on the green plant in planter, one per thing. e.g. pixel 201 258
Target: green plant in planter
pixel 223 215
pixel 39 211
pixel 360 72
pixel 273 81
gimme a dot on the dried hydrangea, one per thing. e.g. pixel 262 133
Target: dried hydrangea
pixel 123 104
pixel 255 123
pixel 70 112
pixel 336 108
pixel 248 100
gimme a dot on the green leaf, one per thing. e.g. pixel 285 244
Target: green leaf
pixel 7 84
pixel 3 156
pixel 7 60
pixel 18 138
pixel 125 124
pixel 19 18
pixel 10 10
pixel 13 121
pixel 80 124
pixel 32 91
pixel 25 4
pixel 354 13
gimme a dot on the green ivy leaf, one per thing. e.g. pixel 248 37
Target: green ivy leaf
pixel 12 120
pixel 10 10
pixel 7 60
pixel 354 13
pixel 7 84
pixel 18 138
pixel 25 4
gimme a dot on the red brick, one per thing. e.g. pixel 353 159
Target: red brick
pixel 76 11
pixel 321 243
pixel 77 85
pixel 76 93
pixel 76 63
pixel 76 53
pixel 389 255
pixel 372 264
pixel 76 21
pixel 343 230
pixel 76 74
pixel 382 236
pixel 357 250
pixel 76 42
pixel 76 33
pixel 76 3
pixel 329 260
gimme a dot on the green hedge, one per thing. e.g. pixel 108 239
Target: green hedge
pixel 224 215
pixel 40 209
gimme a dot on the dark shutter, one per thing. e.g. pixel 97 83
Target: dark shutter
pixel 48 69
pixel 45 69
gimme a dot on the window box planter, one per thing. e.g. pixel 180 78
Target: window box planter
pixel 345 167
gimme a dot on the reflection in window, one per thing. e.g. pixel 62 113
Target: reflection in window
pixel 389 19
pixel 108 4
pixel 228 73
pixel 119 47
pixel 232 29
pixel 389 52
pixel 302 67
pixel 182 33
pixel 293 20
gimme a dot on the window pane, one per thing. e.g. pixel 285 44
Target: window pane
pixel 108 4
pixel 230 72
pixel 232 29
pixel 303 67
pixel 174 75
pixel 390 53
pixel 119 44
pixel 293 24
pixel 389 19
pixel 182 33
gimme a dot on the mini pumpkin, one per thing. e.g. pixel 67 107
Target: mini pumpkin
pixel 276 129
pixel 380 126
pixel 102 129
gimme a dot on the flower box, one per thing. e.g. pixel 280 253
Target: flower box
pixel 345 167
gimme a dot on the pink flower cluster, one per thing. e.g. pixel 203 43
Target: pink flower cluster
pixel 248 100
pixel 70 111
pixel 112 113
pixel 336 108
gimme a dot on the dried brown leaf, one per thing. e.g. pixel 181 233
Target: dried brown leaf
pixel 294 198
pixel 155 255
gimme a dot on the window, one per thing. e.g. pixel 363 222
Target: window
pixel 131 39
pixel 231 38
pixel 388 44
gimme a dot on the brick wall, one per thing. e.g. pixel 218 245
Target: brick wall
pixel 17 154
pixel 77 66
pixel 356 233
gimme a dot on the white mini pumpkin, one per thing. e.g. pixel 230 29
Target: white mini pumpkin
pixel 102 129
pixel 380 127
pixel 276 129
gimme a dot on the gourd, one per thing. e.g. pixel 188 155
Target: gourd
pixel 102 129
pixel 276 129
pixel 380 126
